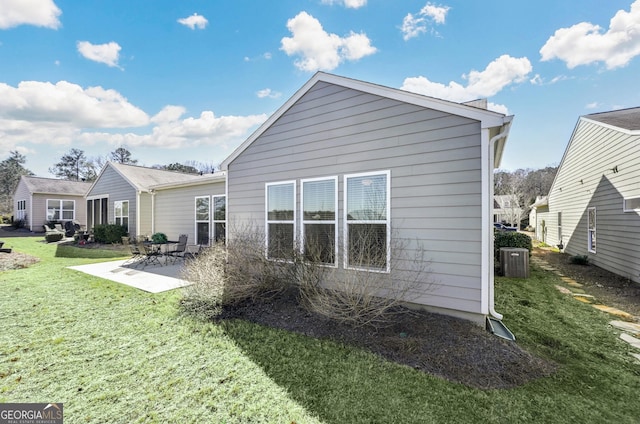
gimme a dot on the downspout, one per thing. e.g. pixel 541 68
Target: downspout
pixel 138 212
pixel 153 211
pixel 502 134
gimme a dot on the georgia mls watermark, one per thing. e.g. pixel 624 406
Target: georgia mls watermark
pixel 31 413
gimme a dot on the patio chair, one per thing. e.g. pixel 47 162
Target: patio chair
pixel 179 249
pixel 136 255
pixel 150 256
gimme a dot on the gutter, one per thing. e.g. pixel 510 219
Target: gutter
pixel 501 135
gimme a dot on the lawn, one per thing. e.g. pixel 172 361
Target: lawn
pixel 115 354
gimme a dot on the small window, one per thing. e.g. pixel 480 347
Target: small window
pixel 319 220
pixel 280 219
pixel 202 220
pixel 219 218
pixel 121 213
pixel 560 226
pixel 22 210
pixel 632 204
pixel 367 221
pixel 591 230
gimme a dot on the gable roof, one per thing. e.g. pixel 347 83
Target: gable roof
pixel 39 185
pixel 624 119
pixel 142 178
pixel 487 118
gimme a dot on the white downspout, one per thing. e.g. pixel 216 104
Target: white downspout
pixel 502 134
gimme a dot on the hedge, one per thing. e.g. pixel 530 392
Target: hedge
pixel 510 239
pixel 109 233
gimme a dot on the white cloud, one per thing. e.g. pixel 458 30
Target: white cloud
pixel 321 50
pixel 413 26
pixel 352 4
pixel 65 103
pixel 194 21
pixel 592 105
pixel 500 73
pixel 267 92
pixel 64 113
pixel 43 13
pixel 586 43
pixel 102 53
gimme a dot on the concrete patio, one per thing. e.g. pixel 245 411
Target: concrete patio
pixel 153 279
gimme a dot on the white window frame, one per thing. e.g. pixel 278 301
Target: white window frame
pixel 21 209
pixel 387 221
pixel 215 221
pixel 122 216
pixel 60 209
pixel 202 221
pixel 591 230
pixel 560 227
pixel 625 208
pixel 333 222
pixel 267 221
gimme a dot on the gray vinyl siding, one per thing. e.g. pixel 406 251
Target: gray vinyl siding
pixel 435 173
pixel 175 209
pixel 586 179
pixel 145 212
pixel 111 184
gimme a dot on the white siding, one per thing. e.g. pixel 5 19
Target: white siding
pixel 22 193
pixel 586 178
pixel 435 171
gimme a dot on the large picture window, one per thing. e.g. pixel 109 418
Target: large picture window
pixel 280 220
pixel 202 220
pixel 219 218
pixel 61 210
pixel 319 220
pixel 121 213
pixel 367 221
pixel 591 230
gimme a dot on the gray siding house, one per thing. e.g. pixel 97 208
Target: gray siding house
pixel 195 207
pixel 122 195
pixel 594 201
pixel 346 165
pixel 38 200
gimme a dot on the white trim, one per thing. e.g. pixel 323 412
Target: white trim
pixel 122 216
pixel 326 222
pixel 18 210
pixel 215 221
pixel 266 214
pixel 595 229
pixel 624 204
pixel 345 229
pixel 201 221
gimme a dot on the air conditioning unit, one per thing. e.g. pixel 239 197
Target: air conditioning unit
pixel 514 262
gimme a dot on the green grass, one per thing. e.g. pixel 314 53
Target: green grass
pixel 114 354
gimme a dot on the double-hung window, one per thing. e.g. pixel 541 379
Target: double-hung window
pixel 58 210
pixel 367 221
pixel 280 219
pixel 219 218
pixel 591 230
pixel 202 219
pixel 121 213
pixel 319 220
pixel 22 210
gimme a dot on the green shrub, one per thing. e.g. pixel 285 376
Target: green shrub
pixel 51 237
pixel 109 233
pixel 510 239
pixel 579 260
pixel 159 238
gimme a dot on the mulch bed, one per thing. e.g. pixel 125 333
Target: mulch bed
pixel 451 348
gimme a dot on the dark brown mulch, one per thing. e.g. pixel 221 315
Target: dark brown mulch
pixel 608 288
pixel 454 349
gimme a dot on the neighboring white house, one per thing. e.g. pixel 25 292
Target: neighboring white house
pixel 536 217
pixel 507 210
pixel 343 157
pixel 39 200
pixel 594 202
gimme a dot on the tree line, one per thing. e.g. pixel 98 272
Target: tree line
pixel 525 185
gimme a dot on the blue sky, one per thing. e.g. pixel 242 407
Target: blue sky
pixel 189 80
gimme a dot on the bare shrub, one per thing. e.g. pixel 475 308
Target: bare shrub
pixel 370 294
pixel 224 275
